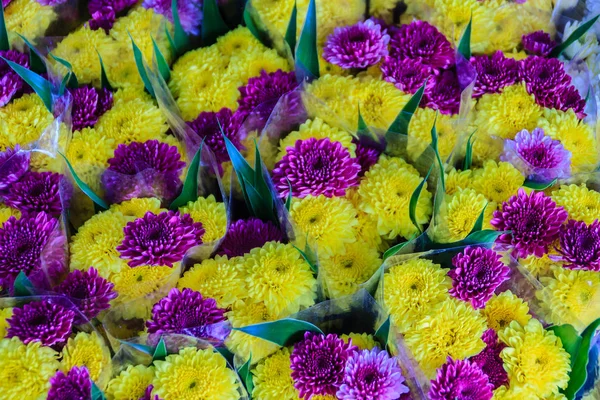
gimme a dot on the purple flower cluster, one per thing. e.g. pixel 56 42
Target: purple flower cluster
pixel 460 380
pixel 366 156
pixel 104 12
pixel 75 385
pixel 190 12
pixel 538 43
pixel 245 235
pixel 13 165
pixel 406 74
pixel 42 321
pixel 443 92
pixel 580 245
pixel 89 104
pixel 489 359
pixel 11 84
pixel 422 41
pixel 208 126
pixel 494 73
pixel 35 192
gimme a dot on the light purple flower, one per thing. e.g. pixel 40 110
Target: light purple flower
pixel 489 359
pixel 443 93
pixel 422 41
pixel 13 165
pixel 406 74
pixel 460 380
pixel 538 43
pixel 75 385
pixel 494 73
pixel 41 321
pixel 245 235
pixel 190 12
pixel 89 104
pixel 206 126
pixel 579 245
pixel 39 192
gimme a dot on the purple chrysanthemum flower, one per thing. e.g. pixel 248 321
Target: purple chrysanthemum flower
pixel 564 98
pixel 318 363
pixel 148 394
pixel 75 385
pixel 494 73
pixel 13 165
pixel 406 74
pixel 11 84
pixel 149 169
pixel 372 374
pixel 51 3
pixel 245 235
pixel 478 272
pixel 356 46
pixel 443 93
pixel 116 5
pixel 262 92
pixel 103 19
pixel 5 3
pixel 39 192
pixel 538 43
pixel 89 104
pixel 533 222
pixel 41 321
pixel 161 239
pixel 90 292
pixel 460 380
pixel 537 156
pixel 489 359
pixel 366 156
pixel 421 40
pixel 206 125
pixel 316 166
pixel 190 12
pixel 579 245
pixel 544 77
pixel 185 312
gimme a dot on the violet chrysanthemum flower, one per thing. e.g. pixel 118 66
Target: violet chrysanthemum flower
pixel 245 235
pixel 579 245
pixel 318 363
pixel 356 46
pixel 460 380
pixel 422 41
pixel 494 73
pixel 117 5
pixel 406 74
pixel 11 84
pixel 366 156
pixel 89 104
pixel 565 98
pixel 544 77
pixel 489 359
pixel 103 19
pixel 537 156
pixel 89 292
pixel 13 165
pixel 42 321
pixel 372 374
pixel 206 126
pixel 190 12
pixel 75 385
pixel 159 240
pixel 148 394
pixel 262 92
pixel 538 43
pixel 532 223
pixel 443 93
pixel 476 274
pixel 315 167
pixel 39 192
pixel 149 169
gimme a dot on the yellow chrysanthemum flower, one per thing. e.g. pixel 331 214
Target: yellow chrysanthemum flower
pixel 275 14
pixel 343 273
pixel 536 363
pixel 327 68
pixel 581 203
pixel 245 65
pixel 272 378
pixel 278 276
pixel 25 370
pixel 383 9
pixel 244 313
pixel 453 329
pixel 540 266
pixel 7 212
pixel 28 18
pixel 366 230
pixel 327 221
pixel 23 120
pixel 419 132
pixel 385 192
pixel 211 214
pixel 380 102
pixel 89 149
pixel 333 98
pixel 456 180
pixel 203 62
pixel 458 215
pixel 504 308
pixel 88 350
pixel 132 93
pixel 131 383
pixel 195 374
pixel 5 314
pixel 452 17
pixel 361 340
pixel 201 91
pixel 507 27
pixel 236 41
pixel 137 208
pixel 123 71
pixel 497 181
pixel 411 289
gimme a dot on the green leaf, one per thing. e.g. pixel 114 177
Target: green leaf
pixel 579 371
pixel 141 347
pixel 97 393
pixel 288 200
pixel 103 77
pixel 400 124
pixel 181 39
pixel 307 57
pixel 434 145
pixel 362 125
pixel 213 25
pixel 22 286
pixel 228 355
pixel 172 48
pixel 160 352
pixel 290 33
pixel 40 85
pixel 469 153
pixel 309 257
pixel 383 333
pixel 464 46
pixel 72 79
pixel 246 376
pixel 394 249
pixel 539 185
pixel 190 186
pixel 579 32
pixel 570 339
pixel 259 179
pixel 139 62
pixel 240 165
pixel 372 284
pixel 282 332
pixel 414 198
pixel 85 188
pixel 4 44
pixel 36 64
pixel 163 65
pixel 479 223
pixel 259 34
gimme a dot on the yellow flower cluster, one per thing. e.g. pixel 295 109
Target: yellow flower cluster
pixel 23 120
pixel 90 351
pixel 28 18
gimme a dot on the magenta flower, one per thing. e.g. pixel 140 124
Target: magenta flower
pixel 406 74
pixel 422 41
pixel 89 292
pixel 13 165
pixel 190 12
pixel 148 394
pixel 532 223
pixel 75 385
pixel 372 374
pixel 489 360
pixel 159 240
pixel 35 192
pixel 149 169
pixel 538 43
pixel 11 84
pixel 318 363
pixel 443 93
pixel 89 104
pixel 245 235
pixel 580 245
pixel 494 73
pixel 41 321
pixel 366 156
pixel 104 12
pixel 460 380
pixel 262 92
pixel 565 98
pixel 544 77
pixel 206 126
pixel 316 166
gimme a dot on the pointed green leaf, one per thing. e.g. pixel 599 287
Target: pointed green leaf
pixel 434 145
pixel 240 165
pixel 64 83
pixel 139 62
pixel 260 206
pixel 307 57
pixel 181 39
pixel 414 198
pixel 40 85
pixel 190 186
pixel 72 82
pixel 85 188
pixel 259 34
pixel 362 125
pixel 172 48
pixel 395 249
pixel 160 352
pixel 163 65
pixel 141 347
pixel 290 33
pixel 228 355
pixel 288 200
pixel 22 286
pixel 104 82
pixel 97 393
pixel 579 372
pixel 539 185
pixel 579 32
pixel 4 44
pixel 479 223
pixel 464 46
pixel 283 332
pixel 400 124
pixel 383 333
pixel 213 24
pixel 469 153
pixel 246 376
pixel 308 256
pixel 480 237
pixel 259 179
pixel 36 64
pixel 570 339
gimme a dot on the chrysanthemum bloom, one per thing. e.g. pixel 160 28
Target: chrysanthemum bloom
pixel 103 19
pixel 460 380
pixel 567 98
pixel 443 93
pixel 273 377
pixel 211 214
pixel 245 235
pixel 420 40
pixel 316 167
pixel 581 203
pixel 161 239
pixel 41 321
pixel 35 192
pixel 149 169
pixel 11 84
pixel 580 245
pixel 538 156
pixel 544 76
pixel 538 43
pixel 75 385
pixel 356 46
pixel 190 12
pixel 88 291
pixel 89 104
pixel 206 126
pixel 148 394
pixel 131 383
pixel 497 181
pixel 533 222
pixel 489 360
pixel 459 213
pixel 372 374
pixel 13 165
pixel 505 308
pixel 406 74
pixel 88 350
pixel 366 156
pixel 476 274
pixel 318 363
pixel 494 73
